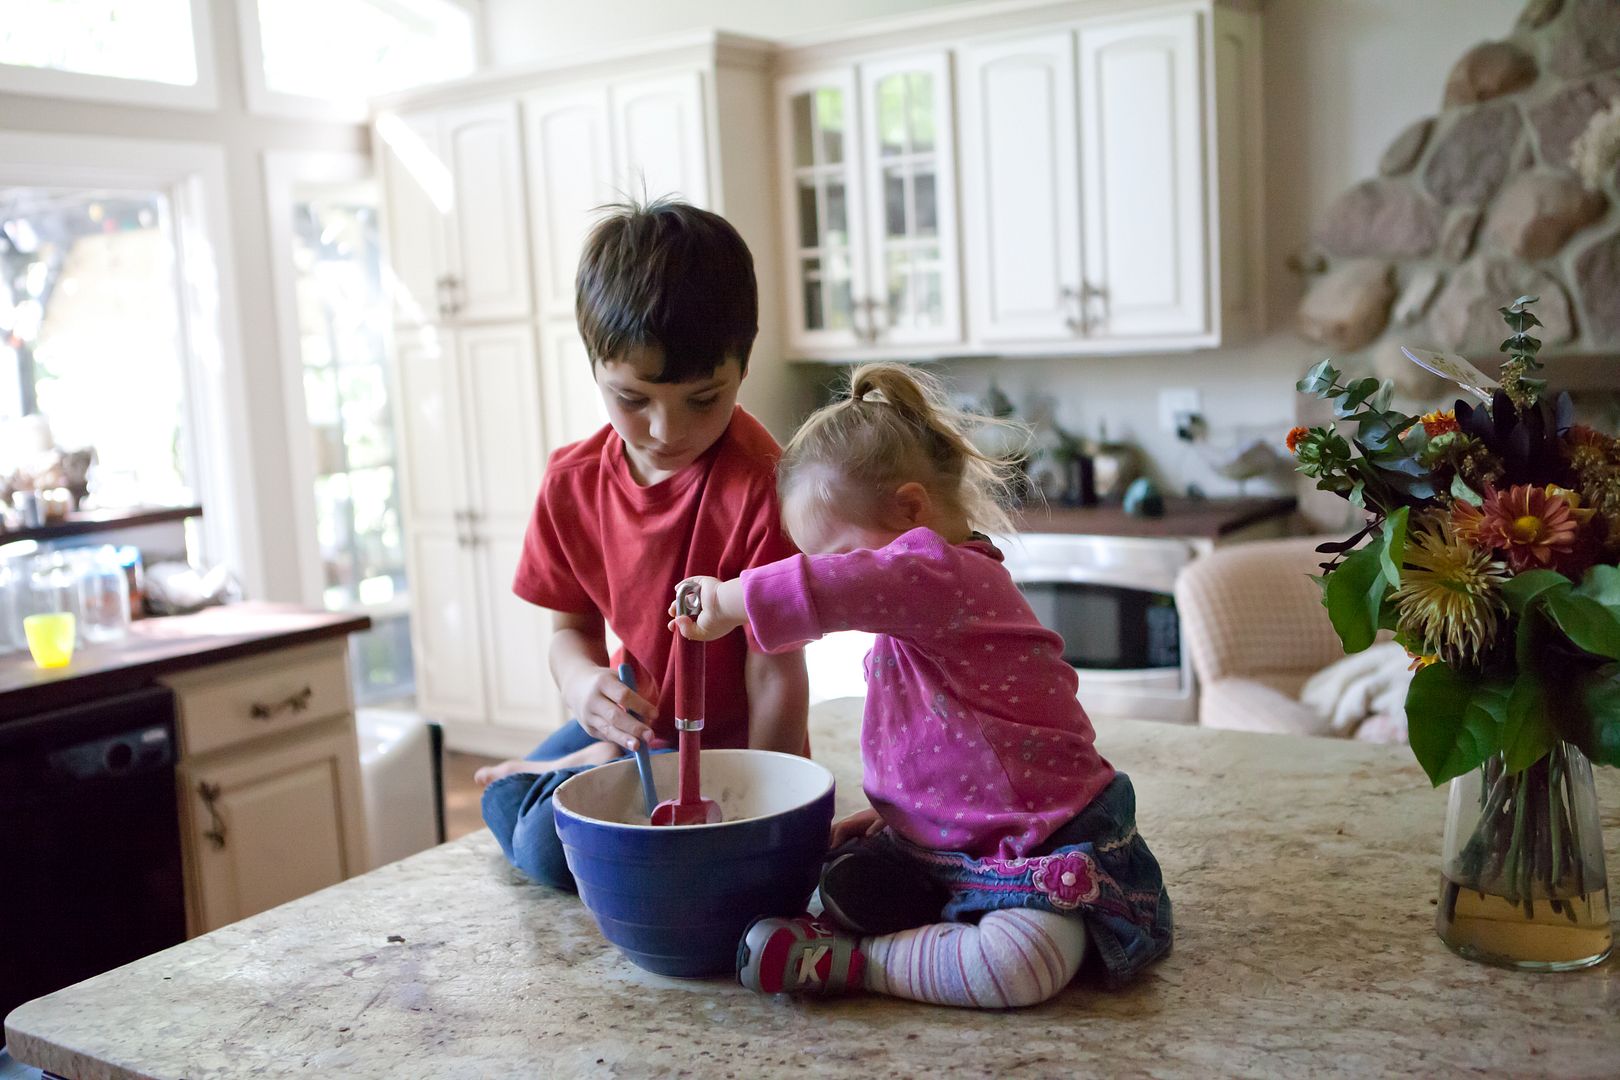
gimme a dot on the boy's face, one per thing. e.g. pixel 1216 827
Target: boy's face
pixel 665 426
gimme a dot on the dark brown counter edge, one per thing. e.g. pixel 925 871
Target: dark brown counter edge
pixel 25 690
pixel 1183 517
pixel 96 521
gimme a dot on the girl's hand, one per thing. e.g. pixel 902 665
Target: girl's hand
pixel 720 610
pixel 858 825
pixel 602 705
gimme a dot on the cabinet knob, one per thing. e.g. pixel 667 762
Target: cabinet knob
pixel 295 703
pixel 216 830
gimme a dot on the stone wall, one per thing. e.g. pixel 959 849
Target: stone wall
pixel 1513 187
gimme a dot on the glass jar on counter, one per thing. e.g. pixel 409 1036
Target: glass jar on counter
pixel 103 594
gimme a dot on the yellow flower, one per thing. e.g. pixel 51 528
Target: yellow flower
pixel 1438 423
pixel 1450 594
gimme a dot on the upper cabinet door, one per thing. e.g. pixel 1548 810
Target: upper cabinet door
pixel 1021 189
pixel 909 162
pixel 659 144
pixel 821 207
pixel 501 393
pixel 570 175
pixel 418 195
pixel 488 237
pixel 574 406
pixel 1141 121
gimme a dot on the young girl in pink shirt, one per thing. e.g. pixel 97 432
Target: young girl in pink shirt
pixel 1000 849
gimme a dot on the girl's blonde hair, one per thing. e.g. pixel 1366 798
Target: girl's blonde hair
pixel 897 426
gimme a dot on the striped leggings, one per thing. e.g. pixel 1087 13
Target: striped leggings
pixel 1011 958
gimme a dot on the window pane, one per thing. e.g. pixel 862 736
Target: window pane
pixel 891 115
pixel 899 289
pixel 809 226
pixel 837 234
pixel 803 157
pixel 830 124
pixel 354 49
pixel 811 277
pixel 925 215
pixel 149 40
pixel 921 111
pixel 894 202
pixel 89 314
pixel 838 299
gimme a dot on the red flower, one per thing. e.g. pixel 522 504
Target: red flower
pixel 1294 435
pixel 1531 527
pixel 1438 423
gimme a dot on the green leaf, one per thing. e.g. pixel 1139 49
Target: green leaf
pixel 1393 552
pixel 1354 596
pixel 1522 590
pixel 1319 380
pixel 1587 623
pixel 1454 722
pixel 1461 490
pixel 1601 696
pixel 1526 736
pixel 1602 583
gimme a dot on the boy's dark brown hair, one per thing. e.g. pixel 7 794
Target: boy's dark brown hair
pixel 671 275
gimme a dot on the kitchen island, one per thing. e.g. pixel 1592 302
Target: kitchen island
pixel 1303 876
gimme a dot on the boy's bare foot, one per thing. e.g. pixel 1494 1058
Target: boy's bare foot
pixel 597 753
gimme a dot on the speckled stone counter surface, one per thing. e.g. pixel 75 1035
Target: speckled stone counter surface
pixel 1303 874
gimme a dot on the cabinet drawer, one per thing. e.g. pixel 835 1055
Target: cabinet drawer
pixel 232 703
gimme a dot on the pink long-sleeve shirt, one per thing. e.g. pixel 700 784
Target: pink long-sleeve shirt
pixel 973 739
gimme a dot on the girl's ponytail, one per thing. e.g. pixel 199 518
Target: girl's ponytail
pixel 898 425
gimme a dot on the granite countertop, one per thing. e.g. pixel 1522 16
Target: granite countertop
pixel 156 647
pixel 1302 870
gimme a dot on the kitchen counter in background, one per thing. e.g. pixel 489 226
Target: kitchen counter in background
pixel 1211 520
pixel 164 646
pixel 1303 873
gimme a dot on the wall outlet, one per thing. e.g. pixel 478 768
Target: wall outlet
pixel 1176 403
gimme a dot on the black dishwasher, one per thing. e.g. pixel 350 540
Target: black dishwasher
pixel 90 873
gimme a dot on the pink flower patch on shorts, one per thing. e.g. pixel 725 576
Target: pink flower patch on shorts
pixel 1067 879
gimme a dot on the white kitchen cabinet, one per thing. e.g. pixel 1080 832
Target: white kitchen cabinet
pixel 446 620
pixel 505 435
pixel 867 156
pixel 1142 128
pixel 570 174
pixel 659 138
pixel 1021 179
pixel 269 781
pixel 457 222
pixel 574 407
pixel 519 690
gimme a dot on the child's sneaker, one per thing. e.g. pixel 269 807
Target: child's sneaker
pixel 799 956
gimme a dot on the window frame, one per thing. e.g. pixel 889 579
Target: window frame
pixel 217 408
pixel 261 100
pixel 203 95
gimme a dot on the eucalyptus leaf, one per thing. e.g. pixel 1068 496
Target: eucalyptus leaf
pixel 1393 552
pixel 1461 490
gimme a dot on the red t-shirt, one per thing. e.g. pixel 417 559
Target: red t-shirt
pixel 598 540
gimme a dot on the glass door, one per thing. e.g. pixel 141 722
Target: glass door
pixel 911 178
pixel 342 325
pixel 827 303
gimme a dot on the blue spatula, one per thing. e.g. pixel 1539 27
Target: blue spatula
pixel 649 792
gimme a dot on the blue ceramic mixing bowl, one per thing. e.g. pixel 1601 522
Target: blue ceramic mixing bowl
pixel 676 899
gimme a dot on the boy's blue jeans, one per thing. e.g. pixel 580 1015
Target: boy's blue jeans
pixel 517 809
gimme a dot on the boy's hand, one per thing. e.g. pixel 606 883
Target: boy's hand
pixel 602 705
pixel 861 824
pixel 720 610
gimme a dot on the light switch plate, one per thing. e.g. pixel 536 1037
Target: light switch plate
pixel 1177 401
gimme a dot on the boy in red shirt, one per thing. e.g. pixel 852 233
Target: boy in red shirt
pixel 681 482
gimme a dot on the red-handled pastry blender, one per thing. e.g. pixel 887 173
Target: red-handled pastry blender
pixel 689 807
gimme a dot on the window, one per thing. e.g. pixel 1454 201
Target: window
pixel 90 335
pixel 362 48
pixel 342 323
pixel 126 39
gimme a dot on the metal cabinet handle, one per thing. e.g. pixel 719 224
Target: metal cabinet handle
pixel 1088 293
pixel 1076 319
pixel 296 703
pixel 210 796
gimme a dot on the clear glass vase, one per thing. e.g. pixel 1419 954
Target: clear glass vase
pixel 1522 880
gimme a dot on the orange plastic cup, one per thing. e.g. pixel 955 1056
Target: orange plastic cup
pixel 50 638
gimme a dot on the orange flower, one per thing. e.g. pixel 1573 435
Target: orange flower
pixel 1528 525
pixel 1294 435
pixel 1438 423
pixel 1466 520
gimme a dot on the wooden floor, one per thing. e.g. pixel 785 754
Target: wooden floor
pixel 461 795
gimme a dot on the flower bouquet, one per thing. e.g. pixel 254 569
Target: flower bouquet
pixel 1492 534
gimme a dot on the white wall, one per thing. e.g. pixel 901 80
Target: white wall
pixel 244 138
pixel 1342 78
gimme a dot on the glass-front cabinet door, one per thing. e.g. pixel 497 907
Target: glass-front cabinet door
pixel 910 176
pixel 826 298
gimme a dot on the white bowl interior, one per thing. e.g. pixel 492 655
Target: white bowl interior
pixel 746 784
